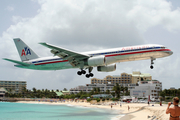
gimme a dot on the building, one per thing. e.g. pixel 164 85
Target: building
pixel 102 87
pixel 2 92
pixel 13 86
pixel 124 78
pixel 138 76
pixel 65 92
pixel 58 94
pixel 102 96
pixel 147 88
pixel 127 80
pixel 90 87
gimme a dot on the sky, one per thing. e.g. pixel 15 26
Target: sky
pixel 88 25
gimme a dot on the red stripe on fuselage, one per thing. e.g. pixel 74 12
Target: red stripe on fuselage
pixel 137 52
pixel 51 62
pixel 111 55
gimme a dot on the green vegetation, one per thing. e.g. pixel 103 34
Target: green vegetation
pixel 89 99
pixel 114 99
pixel 118 91
pixel 98 99
pixel 168 94
pixel 33 94
pixel 44 93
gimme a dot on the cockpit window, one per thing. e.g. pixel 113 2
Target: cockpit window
pixel 163 47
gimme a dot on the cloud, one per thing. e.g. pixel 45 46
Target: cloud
pixel 84 26
pixel 150 13
pixel 9 8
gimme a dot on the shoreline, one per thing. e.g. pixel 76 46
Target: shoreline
pixel 137 111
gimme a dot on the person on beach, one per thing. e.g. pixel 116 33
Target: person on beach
pixel 128 107
pixel 174 111
pixel 111 106
pixel 120 105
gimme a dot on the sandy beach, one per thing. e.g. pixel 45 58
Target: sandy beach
pixel 137 111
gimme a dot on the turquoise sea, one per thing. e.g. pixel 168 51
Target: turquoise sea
pixel 24 111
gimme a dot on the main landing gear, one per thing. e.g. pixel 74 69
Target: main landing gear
pixel 84 72
pixel 81 72
pixel 152 59
pixel 89 75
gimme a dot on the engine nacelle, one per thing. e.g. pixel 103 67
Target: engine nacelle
pixel 96 61
pixel 108 68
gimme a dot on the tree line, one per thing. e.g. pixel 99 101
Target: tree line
pixel 168 94
pixel 117 92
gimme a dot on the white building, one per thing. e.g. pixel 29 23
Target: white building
pixel 102 87
pixel 146 88
pixel 124 78
pixel 2 92
pixel 90 87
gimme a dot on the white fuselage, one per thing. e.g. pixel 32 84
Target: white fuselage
pixel 123 54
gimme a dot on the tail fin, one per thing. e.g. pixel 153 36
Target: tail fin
pixel 25 52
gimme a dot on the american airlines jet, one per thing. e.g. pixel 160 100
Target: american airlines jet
pixel 104 60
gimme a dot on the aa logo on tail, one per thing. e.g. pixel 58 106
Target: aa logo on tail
pixel 25 51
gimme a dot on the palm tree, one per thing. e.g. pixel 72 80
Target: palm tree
pixel 117 90
pixel 92 92
pixel 107 91
pixel 24 90
pixel 34 89
pixel 98 90
pixel 64 89
pixel 126 89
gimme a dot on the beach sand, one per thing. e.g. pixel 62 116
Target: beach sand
pixel 137 111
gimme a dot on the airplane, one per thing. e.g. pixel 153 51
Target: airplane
pixel 104 60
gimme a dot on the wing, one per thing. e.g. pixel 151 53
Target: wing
pixel 74 58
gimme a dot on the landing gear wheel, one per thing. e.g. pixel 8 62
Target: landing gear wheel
pixel 151 67
pixel 83 72
pixel 79 73
pixel 87 75
pixel 90 74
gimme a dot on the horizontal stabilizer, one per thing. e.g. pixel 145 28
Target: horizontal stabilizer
pixel 18 62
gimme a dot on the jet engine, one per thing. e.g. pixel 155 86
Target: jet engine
pixel 96 61
pixel 108 68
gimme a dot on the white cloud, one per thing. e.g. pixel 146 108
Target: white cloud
pixel 83 26
pixel 10 8
pixel 150 13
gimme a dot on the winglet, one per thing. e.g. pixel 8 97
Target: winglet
pixel 44 44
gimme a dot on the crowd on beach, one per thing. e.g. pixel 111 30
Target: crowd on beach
pixel 133 111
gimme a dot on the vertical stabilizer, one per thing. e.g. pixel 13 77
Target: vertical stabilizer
pixel 25 52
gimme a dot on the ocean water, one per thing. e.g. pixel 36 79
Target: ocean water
pixel 24 111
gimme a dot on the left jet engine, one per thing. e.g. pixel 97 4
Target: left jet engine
pixel 96 61
pixel 108 68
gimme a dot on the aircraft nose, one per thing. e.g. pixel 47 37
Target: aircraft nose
pixel 170 52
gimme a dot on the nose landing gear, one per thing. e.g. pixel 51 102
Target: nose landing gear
pixel 152 59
